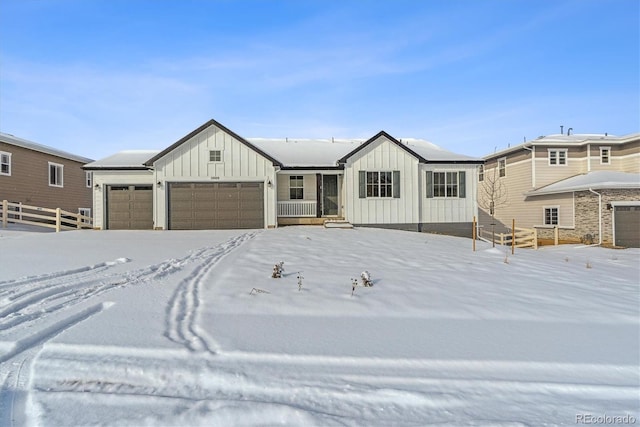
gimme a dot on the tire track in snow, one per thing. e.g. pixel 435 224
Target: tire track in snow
pixel 183 307
pixel 15 388
pixel 36 298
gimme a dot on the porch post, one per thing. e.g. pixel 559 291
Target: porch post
pixel 318 195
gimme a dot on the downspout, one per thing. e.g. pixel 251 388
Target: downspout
pixel 599 216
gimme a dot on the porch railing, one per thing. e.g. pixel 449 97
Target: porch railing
pixel 298 208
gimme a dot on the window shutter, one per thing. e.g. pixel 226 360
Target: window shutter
pixel 429 184
pixel 363 184
pixel 396 184
pixel 462 184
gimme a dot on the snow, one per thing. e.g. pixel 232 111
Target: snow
pixel 326 152
pixel 594 180
pixel 124 159
pixel 131 328
pixel 20 142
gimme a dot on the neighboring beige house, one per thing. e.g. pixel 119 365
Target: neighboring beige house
pixel 37 175
pixel 588 186
pixel 215 179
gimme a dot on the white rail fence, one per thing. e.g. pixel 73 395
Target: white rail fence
pixel 297 209
pixel 58 219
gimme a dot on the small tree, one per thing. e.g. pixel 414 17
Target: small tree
pixel 493 194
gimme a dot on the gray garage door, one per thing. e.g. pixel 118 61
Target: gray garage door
pixel 221 205
pixel 129 207
pixel 627 226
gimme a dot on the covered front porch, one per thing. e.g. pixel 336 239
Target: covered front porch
pixel 309 198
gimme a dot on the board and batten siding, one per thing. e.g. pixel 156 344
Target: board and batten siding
pixel 310 189
pixel 114 177
pixel 382 156
pixel 190 162
pixel 450 209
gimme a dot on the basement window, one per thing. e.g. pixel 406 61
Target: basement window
pixel 551 215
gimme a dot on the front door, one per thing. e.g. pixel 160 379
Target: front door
pixel 329 195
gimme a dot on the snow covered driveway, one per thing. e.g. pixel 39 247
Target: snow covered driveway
pixel 166 328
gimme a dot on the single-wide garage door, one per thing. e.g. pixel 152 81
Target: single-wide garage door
pixel 627 226
pixel 220 205
pixel 129 207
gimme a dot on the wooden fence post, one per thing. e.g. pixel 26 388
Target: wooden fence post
pixel 5 213
pixel 535 238
pixel 555 235
pixel 513 236
pixel 58 220
pixel 474 233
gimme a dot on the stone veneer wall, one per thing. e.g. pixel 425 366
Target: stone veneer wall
pixel 586 217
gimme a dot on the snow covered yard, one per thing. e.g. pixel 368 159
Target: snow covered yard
pixel 162 328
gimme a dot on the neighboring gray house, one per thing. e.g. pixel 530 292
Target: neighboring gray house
pixel 37 175
pixel 215 179
pixel 587 186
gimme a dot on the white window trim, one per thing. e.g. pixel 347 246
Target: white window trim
pixel 61 185
pixel 446 184
pixel 302 186
pixel 544 216
pixel 84 212
pixel 379 184
pixel 4 153
pixel 608 156
pixel 215 161
pixel 500 169
pixel 557 151
pixel 88 179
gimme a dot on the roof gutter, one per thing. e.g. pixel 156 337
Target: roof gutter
pixel 599 216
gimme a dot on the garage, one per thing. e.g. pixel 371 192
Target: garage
pixel 216 206
pixel 627 226
pixel 129 207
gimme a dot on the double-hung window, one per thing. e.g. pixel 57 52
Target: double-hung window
pixel 56 178
pixel 557 157
pixel 551 215
pixel 5 163
pixel 605 155
pixel 481 173
pixel 502 167
pixel 296 187
pixel 88 179
pixel 384 184
pixel 379 184
pixel 446 184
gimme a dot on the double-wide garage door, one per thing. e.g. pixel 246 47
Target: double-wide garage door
pixel 129 207
pixel 222 205
pixel 627 226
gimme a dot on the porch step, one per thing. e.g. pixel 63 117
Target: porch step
pixel 337 223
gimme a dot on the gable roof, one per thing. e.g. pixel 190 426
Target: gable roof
pixel 19 142
pixel 123 160
pixel 591 180
pixel 211 122
pixel 424 151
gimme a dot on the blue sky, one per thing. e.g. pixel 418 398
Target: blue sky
pixel 94 77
